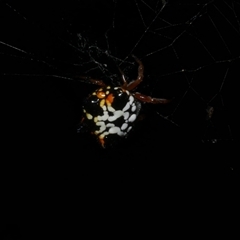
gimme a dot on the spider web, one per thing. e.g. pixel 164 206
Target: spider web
pixel 189 50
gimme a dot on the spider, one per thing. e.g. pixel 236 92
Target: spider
pixel 109 112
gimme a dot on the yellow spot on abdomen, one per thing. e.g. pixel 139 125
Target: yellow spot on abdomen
pixel 101 94
pixel 95 119
pixel 102 102
pixel 89 116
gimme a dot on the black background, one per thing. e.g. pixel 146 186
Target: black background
pixel 174 151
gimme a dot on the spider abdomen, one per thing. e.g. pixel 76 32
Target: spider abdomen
pixel 110 112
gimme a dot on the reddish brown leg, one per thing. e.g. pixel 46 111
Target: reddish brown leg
pixel 97 82
pixel 148 99
pixel 139 79
pixel 94 81
pixel 124 86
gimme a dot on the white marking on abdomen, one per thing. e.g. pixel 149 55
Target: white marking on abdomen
pixel 117 114
pixel 102 126
pixel 114 130
pixel 131 99
pixel 124 126
pixel 134 108
pixel 110 125
pixel 110 109
pixel 104 117
pixel 120 133
pixel 127 106
pixel 129 129
pixel 126 115
pixel 132 118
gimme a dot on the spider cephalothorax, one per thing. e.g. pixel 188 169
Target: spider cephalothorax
pixel 110 112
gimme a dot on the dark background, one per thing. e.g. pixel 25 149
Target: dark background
pixel 190 50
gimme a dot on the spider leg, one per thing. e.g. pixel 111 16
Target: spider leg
pixel 124 86
pixel 148 99
pixel 94 81
pixel 97 82
pixel 139 79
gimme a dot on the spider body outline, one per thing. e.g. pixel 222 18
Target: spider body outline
pixel 110 112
